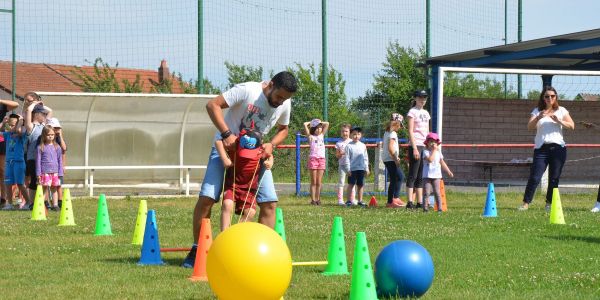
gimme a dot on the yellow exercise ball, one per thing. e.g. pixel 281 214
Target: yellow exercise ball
pixel 249 261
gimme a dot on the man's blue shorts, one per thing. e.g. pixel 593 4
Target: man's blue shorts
pixel 213 181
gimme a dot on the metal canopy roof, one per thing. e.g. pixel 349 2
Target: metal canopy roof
pixel 573 51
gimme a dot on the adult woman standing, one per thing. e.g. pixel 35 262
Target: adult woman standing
pixel 548 119
pixel 391 160
pixel 418 128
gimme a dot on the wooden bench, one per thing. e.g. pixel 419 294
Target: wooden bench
pixel 489 165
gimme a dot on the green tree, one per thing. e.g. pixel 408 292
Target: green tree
pixel 393 86
pixel 164 86
pixel 307 103
pixel 467 86
pixel 103 79
pixel 239 73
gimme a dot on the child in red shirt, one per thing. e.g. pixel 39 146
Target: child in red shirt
pixel 241 176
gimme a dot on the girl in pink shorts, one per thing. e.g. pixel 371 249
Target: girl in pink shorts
pixel 49 165
pixel 316 158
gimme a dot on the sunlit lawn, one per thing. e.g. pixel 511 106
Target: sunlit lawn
pixel 516 255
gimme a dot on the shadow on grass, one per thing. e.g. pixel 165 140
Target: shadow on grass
pixel 587 239
pixel 172 262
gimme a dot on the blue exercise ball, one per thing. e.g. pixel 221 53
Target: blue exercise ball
pixel 403 268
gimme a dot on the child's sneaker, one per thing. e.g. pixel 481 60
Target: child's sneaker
pixel 7 206
pixel 361 204
pixel 548 207
pixel 419 205
pixel 348 203
pixel 410 205
pixel 596 208
pixel 341 202
pixel 523 207
pixel 190 259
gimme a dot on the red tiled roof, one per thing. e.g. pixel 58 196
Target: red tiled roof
pixel 60 78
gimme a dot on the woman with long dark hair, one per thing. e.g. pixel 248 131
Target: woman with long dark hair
pixel 548 119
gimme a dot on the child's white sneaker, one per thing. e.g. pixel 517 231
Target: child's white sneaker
pixel 596 208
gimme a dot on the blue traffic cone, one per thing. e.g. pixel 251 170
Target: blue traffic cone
pixel 151 246
pixel 490 202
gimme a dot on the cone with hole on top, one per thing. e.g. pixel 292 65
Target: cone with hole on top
pixel 140 223
pixel 556 212
pixel 490 202
pixel 373 202
pixel 363 280
pixel 38 213
pixel 443 196
pixel 66 211
pixel 151 247
pixel 279 225
pixel 102 217
pixel 336 256
pixel 204 243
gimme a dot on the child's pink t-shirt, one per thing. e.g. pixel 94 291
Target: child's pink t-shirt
pixel 421 125
pixel 317 146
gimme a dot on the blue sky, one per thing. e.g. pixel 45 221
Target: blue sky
pixel 547 18
pixel 272 34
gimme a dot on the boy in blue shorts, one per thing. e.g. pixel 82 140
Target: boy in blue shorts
pixel 15 163
pixel 358 161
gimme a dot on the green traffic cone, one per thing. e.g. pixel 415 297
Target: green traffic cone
pixel 102 218
pixel 363 280
pixel 556 212
pixel 336 257
pixel 279 226
pixel 38 213
pixel 140 223
pixel 66 211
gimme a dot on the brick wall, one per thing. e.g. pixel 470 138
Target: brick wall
pixel 485 121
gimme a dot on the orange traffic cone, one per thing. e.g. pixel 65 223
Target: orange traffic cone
pixel 204 242
pixel 443 194
pixel 373 202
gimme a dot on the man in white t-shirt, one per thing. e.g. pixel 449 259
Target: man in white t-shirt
pixel 261 105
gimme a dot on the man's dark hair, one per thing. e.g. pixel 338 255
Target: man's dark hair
pixel 285 80
pixel 13 116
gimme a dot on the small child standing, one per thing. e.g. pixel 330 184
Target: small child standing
pixel 15 160
pixel 241 176
pixel 49 165
pixel 316 158
pixel 358 161
pixel 343 169
pixel 433 163
pixel 60 140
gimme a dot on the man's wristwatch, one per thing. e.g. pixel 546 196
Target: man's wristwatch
pixel 225 134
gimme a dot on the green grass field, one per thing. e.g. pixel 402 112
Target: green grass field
pixel 517 255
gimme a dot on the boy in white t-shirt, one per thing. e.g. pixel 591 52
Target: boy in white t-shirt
pixel 433 163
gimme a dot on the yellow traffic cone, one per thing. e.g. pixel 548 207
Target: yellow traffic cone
pixel 556 212
pixel 39 210
pixel 140 223
pixel 66 211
